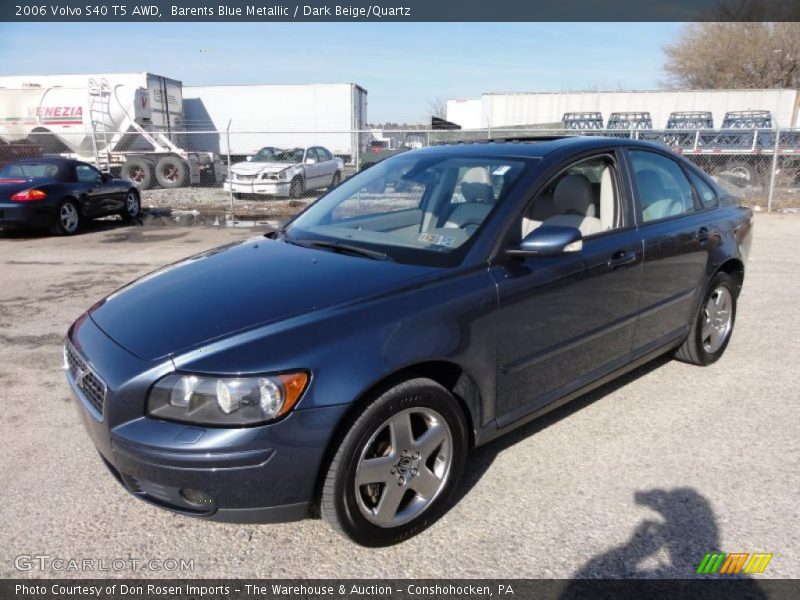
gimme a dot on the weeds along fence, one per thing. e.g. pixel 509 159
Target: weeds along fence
pixel 761 166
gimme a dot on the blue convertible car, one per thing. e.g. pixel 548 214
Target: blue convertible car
pixel 348 362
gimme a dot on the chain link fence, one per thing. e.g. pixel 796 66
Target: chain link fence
pixel 195 169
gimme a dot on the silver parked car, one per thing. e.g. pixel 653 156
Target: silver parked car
pixel 286 172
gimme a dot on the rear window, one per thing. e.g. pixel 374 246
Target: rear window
pixel 35 170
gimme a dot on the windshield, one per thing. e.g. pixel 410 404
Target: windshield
pixel 265 155
pixel 293 155
pixel 422 209
pixel 35 170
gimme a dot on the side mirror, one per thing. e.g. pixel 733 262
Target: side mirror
pixel 549 240
pixel 106 177
pixel 311 161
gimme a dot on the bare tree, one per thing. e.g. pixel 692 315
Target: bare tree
pixel 437 107
pixel 735 55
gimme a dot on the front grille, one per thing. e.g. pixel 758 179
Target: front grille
pixel 245 177
pixel 85 378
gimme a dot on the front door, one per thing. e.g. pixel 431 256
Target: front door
pixel 565 321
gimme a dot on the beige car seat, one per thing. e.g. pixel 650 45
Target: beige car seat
pixel 478 193
pixel 574 203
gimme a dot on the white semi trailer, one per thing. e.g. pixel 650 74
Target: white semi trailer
pixel 498 110
pixel 127 123
pixel 241 119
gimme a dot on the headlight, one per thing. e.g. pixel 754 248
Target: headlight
pixel 233 401
pixel 284 175
pixel 267 174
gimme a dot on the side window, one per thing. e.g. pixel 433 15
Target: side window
pixel 87 174
pixel 663 188
pixel 704 192
pixel 585 195
pixel 324 155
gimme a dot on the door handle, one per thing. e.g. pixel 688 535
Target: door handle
pixel 703 235
pixel 620 258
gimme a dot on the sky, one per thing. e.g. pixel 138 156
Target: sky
pixel 403 66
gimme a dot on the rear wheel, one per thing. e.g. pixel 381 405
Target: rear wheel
pixel 172 172
pixel 712 327
pixel 68 219
pixel 139 171
pixel 398 466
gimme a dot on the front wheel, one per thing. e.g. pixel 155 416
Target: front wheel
pixel 712 326
pixel 337 179
pixel 296 188
pixel 398 466
pixel 133 207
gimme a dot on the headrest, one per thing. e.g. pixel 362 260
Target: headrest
pixel 476 186
pixel 574 195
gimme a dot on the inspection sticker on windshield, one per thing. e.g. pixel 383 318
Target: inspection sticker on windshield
pixel 448 241
pixel 499 171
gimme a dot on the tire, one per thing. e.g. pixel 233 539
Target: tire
pixel 416 408
pixel 172 172
pixel 297 188
pixel 706 341
pixel 139 171
pixel 746 173
pixel 337 179
pixel 133 206
pixel 238 195
pixel 68 218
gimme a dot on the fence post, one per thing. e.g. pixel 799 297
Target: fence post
pixel 228 143
pixel 774 168
pixel 357 149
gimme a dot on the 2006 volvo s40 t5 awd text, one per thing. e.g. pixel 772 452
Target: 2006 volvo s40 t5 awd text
pixel 348 362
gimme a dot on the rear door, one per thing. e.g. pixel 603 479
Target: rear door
pixel 565 321
pixel 327 166
pixel 679 235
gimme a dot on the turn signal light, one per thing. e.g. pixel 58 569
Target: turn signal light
pixel 29 195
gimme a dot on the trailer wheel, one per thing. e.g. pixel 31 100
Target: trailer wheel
pixel 139 171
pixel 172 172
pixel 747 173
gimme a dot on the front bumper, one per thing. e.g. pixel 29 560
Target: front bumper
pixel 26 214
pixel 258 186
pixel 253 474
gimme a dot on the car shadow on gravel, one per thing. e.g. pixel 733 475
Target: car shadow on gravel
pixel 481 458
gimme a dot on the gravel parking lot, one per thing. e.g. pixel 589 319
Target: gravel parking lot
pixel 640 478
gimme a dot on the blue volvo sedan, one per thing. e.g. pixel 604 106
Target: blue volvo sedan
pixel 347 363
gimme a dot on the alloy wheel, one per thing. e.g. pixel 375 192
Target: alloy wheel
pixel 68 215
pixel 718 318
pixel 404 467
pixel 132 205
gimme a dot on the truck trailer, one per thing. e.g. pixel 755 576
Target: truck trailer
pixel 128 124
pixel 238 120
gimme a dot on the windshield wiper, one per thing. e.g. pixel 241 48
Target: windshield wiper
pixel 340 247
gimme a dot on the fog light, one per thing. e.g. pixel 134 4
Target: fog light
pixel 197 497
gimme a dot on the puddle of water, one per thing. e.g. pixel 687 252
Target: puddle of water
pixel 193 218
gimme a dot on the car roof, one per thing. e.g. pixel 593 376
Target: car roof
pixel 535 146
pixel 51 160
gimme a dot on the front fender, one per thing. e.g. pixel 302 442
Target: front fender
pixel 349 349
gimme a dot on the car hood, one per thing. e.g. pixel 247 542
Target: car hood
pixel 235 288
pixel 251 168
